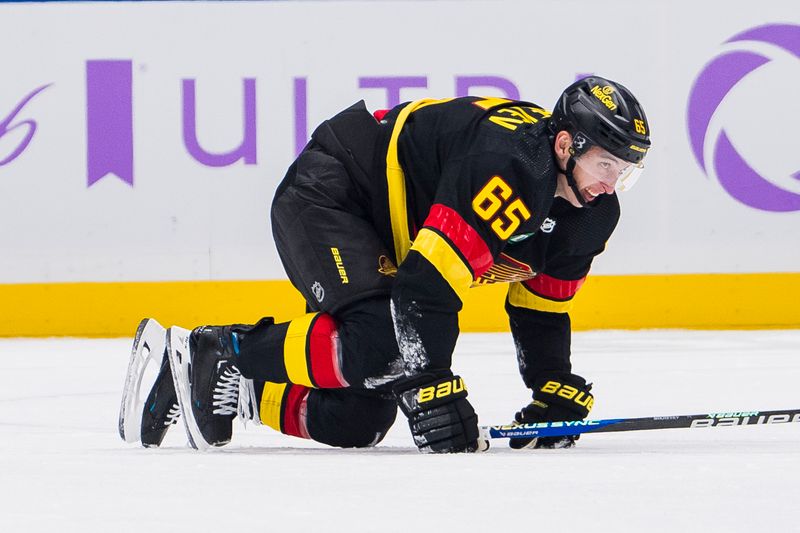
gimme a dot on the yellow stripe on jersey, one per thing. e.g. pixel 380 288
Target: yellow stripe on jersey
pixel 492 101
pixel 441 255
pixel 396 181
pixel 294 350
pixel 520 296
pixel 269 410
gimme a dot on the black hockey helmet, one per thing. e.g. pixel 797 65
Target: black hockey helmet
pixel 601 112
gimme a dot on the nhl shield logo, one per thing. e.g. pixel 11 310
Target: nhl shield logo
pixel 548 225
pixel 318 291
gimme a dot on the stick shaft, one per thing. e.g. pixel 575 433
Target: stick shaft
pixel 705 420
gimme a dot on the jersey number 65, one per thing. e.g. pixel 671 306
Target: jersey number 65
pixel 493 202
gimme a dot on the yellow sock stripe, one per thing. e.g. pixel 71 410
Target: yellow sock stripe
pixel 270 407
pixel 295 350
pixel 441 255
pixel 520 296
pixel 396 181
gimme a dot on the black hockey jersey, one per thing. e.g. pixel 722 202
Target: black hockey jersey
pixel 462 190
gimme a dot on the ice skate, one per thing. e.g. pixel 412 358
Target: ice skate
pixel 161 408
pixel 146 420
pixel 207 381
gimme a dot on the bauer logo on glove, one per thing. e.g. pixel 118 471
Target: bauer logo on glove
pixel 442 390
pixel 583 398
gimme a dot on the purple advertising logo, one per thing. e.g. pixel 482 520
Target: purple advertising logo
pixel 711 88
pixel 109 119
pixel 6 126
pixel 246 151
pixel 110 116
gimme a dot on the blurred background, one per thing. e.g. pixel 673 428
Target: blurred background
pixel 141 144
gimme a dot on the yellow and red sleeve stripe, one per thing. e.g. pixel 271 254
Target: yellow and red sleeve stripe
pixel 283 407
pixel 464 238
pixel 312 352
pixel 544 293
pixel 453 247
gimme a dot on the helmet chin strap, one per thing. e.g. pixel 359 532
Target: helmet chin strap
pixel 572 184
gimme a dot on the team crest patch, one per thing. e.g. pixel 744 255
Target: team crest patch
pixel 318 291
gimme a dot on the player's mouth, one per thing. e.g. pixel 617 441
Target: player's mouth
pixel 590 194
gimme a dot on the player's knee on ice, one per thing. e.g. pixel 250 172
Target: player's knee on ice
pixel 349 419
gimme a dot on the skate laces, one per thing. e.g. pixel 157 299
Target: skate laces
pixel 226 393
pixel 173 415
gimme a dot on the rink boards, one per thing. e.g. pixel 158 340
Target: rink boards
pixel 141 144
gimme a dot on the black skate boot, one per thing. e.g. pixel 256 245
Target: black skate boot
pixel 161 408
pixel 207 380
pixel 146 420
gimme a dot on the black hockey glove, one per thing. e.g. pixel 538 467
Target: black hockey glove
pixel 557 397
pixel 439 415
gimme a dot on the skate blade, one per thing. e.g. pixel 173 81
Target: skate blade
pixel 180 362
pixel 148 345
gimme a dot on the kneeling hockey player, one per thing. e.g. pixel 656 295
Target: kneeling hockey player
pixel 382 223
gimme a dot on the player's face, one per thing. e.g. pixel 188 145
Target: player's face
pixel 598 172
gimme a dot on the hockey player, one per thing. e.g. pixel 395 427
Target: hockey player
pixel 382 223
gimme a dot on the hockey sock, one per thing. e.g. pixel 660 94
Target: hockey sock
pixel 305 351
pixel 282 407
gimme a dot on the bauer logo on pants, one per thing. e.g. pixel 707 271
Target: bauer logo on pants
pixel 742 86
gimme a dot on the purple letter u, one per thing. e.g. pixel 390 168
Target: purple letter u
pixel 246 150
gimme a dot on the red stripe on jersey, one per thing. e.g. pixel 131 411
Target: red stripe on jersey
pixel 380 113
pixel 552 288
pixel 462 235
pixel 323 349
pixel 294 411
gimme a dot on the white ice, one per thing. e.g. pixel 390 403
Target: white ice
pixel 63 466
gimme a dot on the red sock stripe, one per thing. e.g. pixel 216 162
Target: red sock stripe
pixel 324 353
pixel 552 288
pixel 294 411
pixel 463 236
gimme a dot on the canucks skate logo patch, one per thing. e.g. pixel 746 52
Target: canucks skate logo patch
pixel 319 292
pixel 505 269
pixel 548 225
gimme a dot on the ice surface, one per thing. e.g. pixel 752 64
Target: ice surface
pixel 63 465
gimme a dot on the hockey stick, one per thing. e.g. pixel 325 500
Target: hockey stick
pixel 558 429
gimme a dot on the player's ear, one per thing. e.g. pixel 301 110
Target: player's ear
pixel 562 143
